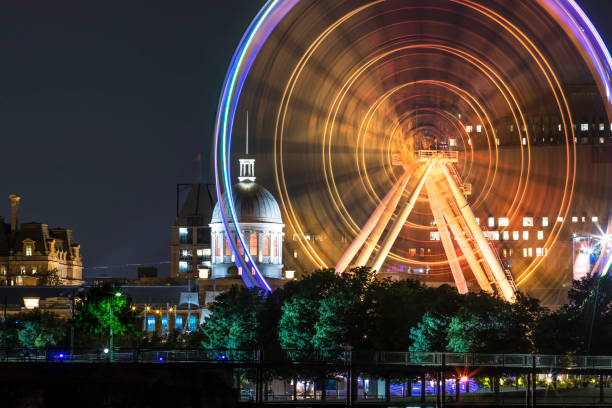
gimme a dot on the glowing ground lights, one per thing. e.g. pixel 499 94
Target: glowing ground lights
pixel 572 20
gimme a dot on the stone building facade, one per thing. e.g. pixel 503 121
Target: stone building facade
pixel 32 253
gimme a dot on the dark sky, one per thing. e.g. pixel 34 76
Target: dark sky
pixel 104 106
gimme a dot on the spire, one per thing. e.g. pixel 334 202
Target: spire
pixel 247 166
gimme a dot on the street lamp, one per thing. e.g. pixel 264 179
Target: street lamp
pixel 111 355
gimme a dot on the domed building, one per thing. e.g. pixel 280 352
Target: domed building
pixel 260 221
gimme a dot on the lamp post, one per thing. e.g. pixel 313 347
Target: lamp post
pixel 111 348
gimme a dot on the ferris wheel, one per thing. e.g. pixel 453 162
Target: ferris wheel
pixel 397 127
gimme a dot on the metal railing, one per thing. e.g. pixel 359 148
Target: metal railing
pixel 362 358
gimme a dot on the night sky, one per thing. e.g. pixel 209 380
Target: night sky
pixel 105 106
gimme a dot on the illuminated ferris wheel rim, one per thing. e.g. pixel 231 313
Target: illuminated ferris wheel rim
pixel 567 12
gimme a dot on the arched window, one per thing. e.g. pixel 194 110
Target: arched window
pixel 253 245
pixel 239 246
pixel 228 251
pixel 218 245
pixel 266 245
pixel 274 246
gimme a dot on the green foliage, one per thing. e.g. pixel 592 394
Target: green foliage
pixel 233 322
pixel 430 333
pixel 94 312
pixel 32 329
pixel 296 327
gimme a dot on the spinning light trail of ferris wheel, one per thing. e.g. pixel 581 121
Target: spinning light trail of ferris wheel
pixel 431 169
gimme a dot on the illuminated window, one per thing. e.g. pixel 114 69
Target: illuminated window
pixel 524 252
pixel 574 219
pixel 491 222
pixel 538 251
pixel 497 141
pixel 452 142
pixel 295 254
pixel 3 270
pixel 469 128
pixel 515 235
pixel 274 245
pixel 31 302
pixel 478 221
pixel 184 267
pixel 584 127
pixel 34 270
pixel 289 274
pixel 545 251
pixel 479 128
pixel 559 219
pixel 545 221
pixel 506 235
pixel 602 127
pixel 185 236
pixel 266 245
pixel 203 273
pixel 28 250
pixel 602 140
pixel 527 221
pixel 178 322
pixel 192 323
pixel 560 127
pixel 524 141
pixel 525 235
pixel 164 323
pixel 494 235
pixel 512 128
pixel 218 245
pixel 595 219
pixel 434 236
pixel 503 222
pixel 253 245
pixel 540 235
pixel 530 251
pixel 583 219
pixel 151 324
pixel 469 142
pixel 228 250
pixel 22 269
pixel 183 231
pixel 240 249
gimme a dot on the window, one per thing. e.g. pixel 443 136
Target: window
pixel 185 236
pixel 22 269
pixel 506 235
pixel 530 252
pixel 3 270
pixel 253 245
pixel 583 219
pixel 602 127
pixel 574 219
pixel 491 222
pixel 28 250
pixel 203 273
pixel 538 251
pixel 584 127
pixel 478 221
pixel 184 267
pixel 178 322
pixel 503 222
pixel 559 219
pixel 151 324
pixel 515 235
pixel 479 129
pixel 602 140
pixel 527 221
pixel 469 128
pixel 540 235
pixel 595 219
pixel 34 270
pixel 164 323
pixel 524 141
pixel 525 235
pixel 524 252
pixel 434 236
pixel 545 221
pixel 240 249
pixel 266 245
pixel 494 235
pixel 560 127
pixel 497 141
pixel 274 245
pixel 218 245
pixel 203 253
pixel 192 323
pixel 203 236
pixel 452 142
pixel 228 250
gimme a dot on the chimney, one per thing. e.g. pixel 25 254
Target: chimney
pixel 14 211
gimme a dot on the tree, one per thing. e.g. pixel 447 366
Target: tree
pixel 429 335
pixel 48 278
pixel 233 321
pixel 332 327
pixel 94 308
pixel 296 327
pixel 39 329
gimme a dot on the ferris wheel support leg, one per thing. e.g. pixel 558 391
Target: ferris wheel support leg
pixel 496 269
pixel 371 242
pixel 445 237
pixel 399 223
pixel 466 248
pixel 380 211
